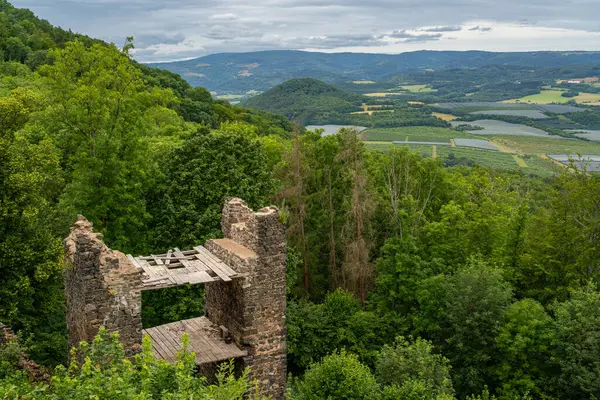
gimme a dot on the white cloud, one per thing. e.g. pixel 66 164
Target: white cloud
pixel 174 29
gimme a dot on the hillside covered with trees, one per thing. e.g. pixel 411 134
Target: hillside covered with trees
pixel 406 279
pixel 303 100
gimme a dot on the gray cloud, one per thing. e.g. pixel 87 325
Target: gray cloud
pixel 412 37
pixel 166 30
pixel 481 28
pixel 451 28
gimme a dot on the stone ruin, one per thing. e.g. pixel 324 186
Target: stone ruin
pixel 245 301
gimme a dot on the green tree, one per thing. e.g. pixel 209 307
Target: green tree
pixel 462 314
pixel 205 169
pixel 97 112
pixel 525 349
pixel 577 345
pixel 338 376
pixel 30 248
pixel 410 365
pixel 561 249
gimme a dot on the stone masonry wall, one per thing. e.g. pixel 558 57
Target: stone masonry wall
pixel 254 245
pixel 102 289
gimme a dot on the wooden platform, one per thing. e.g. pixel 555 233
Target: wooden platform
pixel 178 267
pixel 205 341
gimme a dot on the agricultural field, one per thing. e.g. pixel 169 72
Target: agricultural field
pixel 485 158
pixel 539 166
pixel 493 127
pixel 547 145
pixel 592 135
pixel 590 163
pixel 475 143
pixel 489 106
pixel 533 114
pixel 413 133
pixel 444 117
pixel 555 96
pixel 383 94
pixel 418 88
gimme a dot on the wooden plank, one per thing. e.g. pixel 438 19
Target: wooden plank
pixel 171 340
pixel 157 260
pixel 159 339
pixel 168 260
pixel 200 277
pixel 147 268
pixel 214 267
pixel 189 266
pixel 226 268
pixel 158 350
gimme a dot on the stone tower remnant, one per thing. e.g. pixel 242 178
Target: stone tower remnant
pixel 244 277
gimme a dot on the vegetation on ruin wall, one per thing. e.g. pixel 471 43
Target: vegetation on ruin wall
pixel 100 370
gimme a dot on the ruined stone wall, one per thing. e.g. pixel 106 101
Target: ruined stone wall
pixel 254 245
pixel 102 289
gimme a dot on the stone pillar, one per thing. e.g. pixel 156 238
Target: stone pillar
pixel 102 288
pixel 252 308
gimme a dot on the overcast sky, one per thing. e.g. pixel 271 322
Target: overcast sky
pixel 166 30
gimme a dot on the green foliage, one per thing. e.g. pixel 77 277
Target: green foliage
pixel 200 174
pixel 462 314
pixel 577 344
pixel 103 372
pixel 338 376
pixel 525 344
pixel 561 245
pixel 315 330
pixel 413 370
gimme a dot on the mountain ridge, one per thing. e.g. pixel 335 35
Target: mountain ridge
pixel 259 71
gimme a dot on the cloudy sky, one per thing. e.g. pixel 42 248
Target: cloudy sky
pixel 166 30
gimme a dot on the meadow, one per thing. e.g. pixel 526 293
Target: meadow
pixel 418 88
pixel 444 117
pixel 555 96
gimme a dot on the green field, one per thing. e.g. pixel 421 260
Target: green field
pixel 539 166
pixel 551 145
pixel 485 158
pixel 414 133
pixel 555 96
pixel 418 88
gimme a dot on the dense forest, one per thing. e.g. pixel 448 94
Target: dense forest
pixel 406 279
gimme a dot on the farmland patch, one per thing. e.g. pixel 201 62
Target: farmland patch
pixel 555 96
pixel 593 135
pixel 547 145
pixel 444 117
pixel 418 88
pixel 493 127
pixel 533 114
pixel 475 143
pixel 383 94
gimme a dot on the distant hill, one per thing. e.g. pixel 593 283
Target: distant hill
pixel 243 72
pixel 302 99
